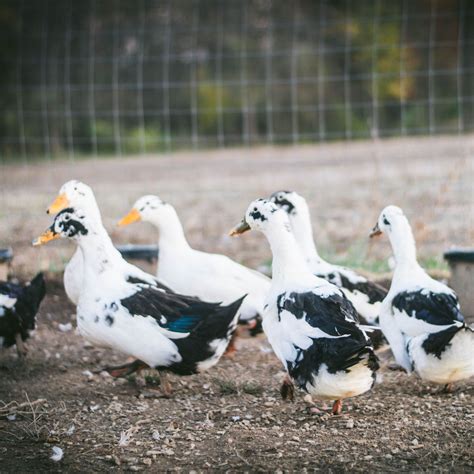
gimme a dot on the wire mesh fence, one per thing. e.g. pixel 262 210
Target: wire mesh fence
pixel 116 77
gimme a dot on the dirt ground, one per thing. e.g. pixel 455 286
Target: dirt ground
pixel 228 419
pixel 232 418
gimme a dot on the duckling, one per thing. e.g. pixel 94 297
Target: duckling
pixel 208 276
pixel 18 307
pixel 78 195
pixel 159 328
pixel 421 317
pixel 310 324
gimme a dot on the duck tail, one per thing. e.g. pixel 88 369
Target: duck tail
pixel 35 291
pixel 30 300
pixel 223 322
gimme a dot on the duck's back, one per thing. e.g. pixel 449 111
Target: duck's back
pixel 215 278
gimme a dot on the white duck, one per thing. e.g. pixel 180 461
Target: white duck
pixel 366 296
pixel 75 194
pixel 309 323
pixel 420 316
pixel 158 327
pixel 208 276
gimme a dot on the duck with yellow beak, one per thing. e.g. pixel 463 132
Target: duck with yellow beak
pixel 310 324
pixel 78 195
pixel 209 276
pixel 157 327
pixel 421 317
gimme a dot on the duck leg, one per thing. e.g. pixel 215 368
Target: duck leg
pixel 20 346
pixel 165 385
pixel 337 407
pixel 448 388
pixel 287 389
pixel 231 349
pixel 125 369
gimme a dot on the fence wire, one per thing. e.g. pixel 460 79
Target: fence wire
pixel 118 77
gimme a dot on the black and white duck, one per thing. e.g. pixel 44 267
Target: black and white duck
pixel 365 295
pixel 421 317
pixel 154 325
pixel 18 307
pixel 310 324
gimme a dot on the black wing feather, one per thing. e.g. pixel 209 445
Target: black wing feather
pixel 150 301
pixel 375 292
pixel 330 315
pixel 434 308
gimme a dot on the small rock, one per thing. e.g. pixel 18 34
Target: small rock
pixel 65 327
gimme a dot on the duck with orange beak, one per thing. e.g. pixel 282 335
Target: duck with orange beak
pixel 421 317
pixel 78 195
pixel 208 276
pixel 160 329
pixel 310 324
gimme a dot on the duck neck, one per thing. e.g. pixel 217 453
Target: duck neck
pixel 98 251
pixel 171 232
pixel 403 244
pixel 303 233
pixel 288 262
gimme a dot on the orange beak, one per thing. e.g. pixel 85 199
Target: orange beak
pixel 375 231
pixel 60 203
pixel 130 218
pixel 45 237
pixel 240 228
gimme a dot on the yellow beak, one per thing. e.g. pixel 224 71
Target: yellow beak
pixel 240 228
pixel 45 237
pixel 60 203
pixel 130 218
pixel 375 231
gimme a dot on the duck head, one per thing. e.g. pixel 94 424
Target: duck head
pixel 74 194
pixel 261 215
pixel 389 219
pixel 69 223
pixel 148 208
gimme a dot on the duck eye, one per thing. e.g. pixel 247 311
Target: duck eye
pixel 385 221
pixel 142 209
pixel 66 218
pixel 255 209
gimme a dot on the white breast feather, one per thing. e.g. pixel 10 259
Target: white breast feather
pixel 456 363
pixel 7 301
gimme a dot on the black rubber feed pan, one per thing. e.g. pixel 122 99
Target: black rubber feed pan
pixel 460 255
pixel 6 255
pixel 139 252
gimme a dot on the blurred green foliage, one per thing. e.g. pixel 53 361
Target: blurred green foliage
pixel 150 76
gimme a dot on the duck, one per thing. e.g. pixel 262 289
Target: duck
pixel 310 324
pixel 19 305
pixel 420 316
pixel 365 295
pixel 208 276
pixel 157 327
pixel 78 195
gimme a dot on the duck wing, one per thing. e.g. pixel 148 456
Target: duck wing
pixel 439 309
pixel 173 312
